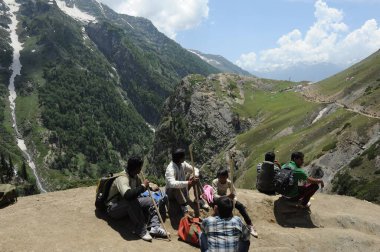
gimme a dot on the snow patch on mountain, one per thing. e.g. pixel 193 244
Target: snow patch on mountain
pixel 210 61
pixel 75 13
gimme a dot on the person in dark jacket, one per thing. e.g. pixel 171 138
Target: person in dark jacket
pixel 124 200
pixel 265 174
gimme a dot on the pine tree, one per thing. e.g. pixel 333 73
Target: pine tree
pixel 3 168
pixel 10 170
pixel 23 173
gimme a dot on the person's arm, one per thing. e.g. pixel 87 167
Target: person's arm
pixel 215 189
pixel 232 188
pixel 134 193
pixel 277 165
pixel 245 234
pixel 122 184
pixel 189 169
pixel 171 182
pixel 312 180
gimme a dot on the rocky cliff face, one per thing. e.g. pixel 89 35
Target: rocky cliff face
pixel 199 112
pixel 227 115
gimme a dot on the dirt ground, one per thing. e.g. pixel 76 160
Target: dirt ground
pixel 67 221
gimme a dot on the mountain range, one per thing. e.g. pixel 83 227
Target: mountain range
pixel 97 87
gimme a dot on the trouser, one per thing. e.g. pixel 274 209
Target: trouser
pixel 305 193
pixel 181 196
pixel 140 211
pixel 203 243
pixel 242 210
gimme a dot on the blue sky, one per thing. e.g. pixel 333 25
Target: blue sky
pixel 267 35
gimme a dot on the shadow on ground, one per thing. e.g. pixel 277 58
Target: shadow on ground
pixel 123 226
pixel 288 215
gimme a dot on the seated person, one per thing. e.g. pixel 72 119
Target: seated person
pixel 265 174
pixel 124 200
pixel 220 186
pixel 179 179
pixel 305 186
pixel 222 231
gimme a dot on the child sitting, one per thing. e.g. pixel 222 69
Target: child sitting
pixel 220 186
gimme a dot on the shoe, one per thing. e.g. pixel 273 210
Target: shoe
pixel 158 231
pixel 146 237
pixel 253 231
pixel 185 209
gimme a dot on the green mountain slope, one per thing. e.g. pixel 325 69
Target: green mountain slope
pixel 261 115
pixel 87 88
pixel 357 87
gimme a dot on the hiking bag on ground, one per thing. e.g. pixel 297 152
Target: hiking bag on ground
pixel 161 200
pixel 284 181
pixel 103 189
pixel 8 194
pixel 189 229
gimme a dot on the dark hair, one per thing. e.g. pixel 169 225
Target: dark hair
pixel 270 156
pixel 134 163
pixel 222 172
pixel 225 207
pixel 296 155
pixel 177 155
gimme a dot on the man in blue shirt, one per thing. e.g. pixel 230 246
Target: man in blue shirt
pixel 224 232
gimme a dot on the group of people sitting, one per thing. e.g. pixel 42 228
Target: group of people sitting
pixel 305 186
pixel 222 230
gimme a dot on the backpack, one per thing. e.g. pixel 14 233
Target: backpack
pixel 8 194
pixel 161 200
pixel 103 189
pixel 189 230
pixel 208 194
pixel 284 181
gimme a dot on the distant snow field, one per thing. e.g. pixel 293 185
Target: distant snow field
pixel 205 59
pixel 75 12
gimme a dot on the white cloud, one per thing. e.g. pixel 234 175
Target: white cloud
pixel 328 40
pixel 169 16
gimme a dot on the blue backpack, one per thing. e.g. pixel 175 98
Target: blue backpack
pixel 161 200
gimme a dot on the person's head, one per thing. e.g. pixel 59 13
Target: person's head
pixel 178 156
pixel 222 175
pixel 134 166
pixel 270 156
pixel 297 157
pixel 223 207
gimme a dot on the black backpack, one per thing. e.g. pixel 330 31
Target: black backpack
pixel 103 189
pixel 284 181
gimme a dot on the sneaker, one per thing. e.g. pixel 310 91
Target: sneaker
pixel 253 231
pixel 146 237
pixel 185 209
pixel 158 231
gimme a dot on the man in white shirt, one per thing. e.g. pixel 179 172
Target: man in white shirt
pixel 179 179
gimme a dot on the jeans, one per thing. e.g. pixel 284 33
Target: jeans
pixel 305 193
pixel 243 245
pixel 139 211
